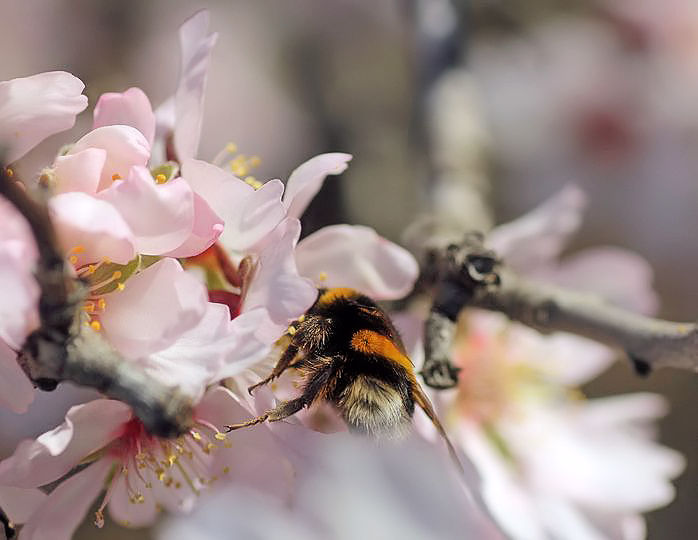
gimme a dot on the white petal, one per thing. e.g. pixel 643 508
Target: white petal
pixel 155 308
pixel 539 236
pixel 95 226
pixel 307 179
pixel 196 46
pixel 80 172
pixel 33 108
pixel 125 147
pixel 161 216
pixel 357 257
pixel 87 428
pixel 65 508
pixel 276 286
pixel 250 215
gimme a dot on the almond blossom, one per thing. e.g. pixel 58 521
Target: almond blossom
pixel 553 464
pixel 138 474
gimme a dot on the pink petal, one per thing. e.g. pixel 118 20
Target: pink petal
pixel 67 505
pixel 539 236
pixel 33 108
pixel 243 348
pixel 161 216
pixel 206 230
pixel 214 349
pixel 255 458
pixel 87 428
pixel 249 214
pixel 307 179
pixel 155 308
pixel 277 287
pixel 16 390
pixel 125 147
pixel 18 307
pixel 129 108
pixel 357 257
pixel 16 238
pixel 93 224
pixel 196 45
pixel 80 172
pixel 19 504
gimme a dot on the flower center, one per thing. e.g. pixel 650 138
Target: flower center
pixel 98 276
pixel 142 460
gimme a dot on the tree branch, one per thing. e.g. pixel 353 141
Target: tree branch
pixel 63 350
pixel 468 275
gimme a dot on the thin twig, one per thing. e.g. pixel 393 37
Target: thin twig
pixel 62 350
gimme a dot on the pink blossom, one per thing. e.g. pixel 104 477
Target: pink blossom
pixel 130 108
pixel 140 473
pixel 552 463
pixel 33 108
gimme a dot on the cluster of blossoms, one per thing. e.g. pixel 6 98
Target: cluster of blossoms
pixel 195 270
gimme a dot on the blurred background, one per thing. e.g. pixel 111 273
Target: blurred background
pixel 511 99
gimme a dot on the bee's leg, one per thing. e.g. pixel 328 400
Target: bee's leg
pixel 281 411
pixel 284 362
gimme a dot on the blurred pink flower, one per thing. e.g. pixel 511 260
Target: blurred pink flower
pixel 553 464
pixel 348 488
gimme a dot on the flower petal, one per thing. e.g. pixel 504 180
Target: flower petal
pixel 80 172
pixel 357 257
pixel 161 216
pixel 249 214
pixel 255 457
pixel 539 236
pixel 214 349
pixel 18 308
pixel 94 225
pixel 65 508
pixel 196 45
pixel 129 108
pixel 16 390
pixel 276 286
pixel 155 308
pixel 18 288
pixel 206 230
pixel 125 147
pixel 18 503
pixel 33 108
pixel 87 428
pixel 307 179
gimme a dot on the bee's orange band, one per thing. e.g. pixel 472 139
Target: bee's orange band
pixel 370 342
pixel 331 295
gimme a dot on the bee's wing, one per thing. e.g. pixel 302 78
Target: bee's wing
pixel 424 402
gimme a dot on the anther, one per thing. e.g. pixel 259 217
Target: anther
pixel 115 176
pixel 160 179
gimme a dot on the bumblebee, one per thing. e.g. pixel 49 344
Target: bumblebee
pixel 350 354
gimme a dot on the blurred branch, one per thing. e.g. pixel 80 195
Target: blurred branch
pixel 468 275
pixel 63 350
pixel 7 532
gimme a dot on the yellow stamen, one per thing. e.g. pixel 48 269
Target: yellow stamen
pixel 115 176
pixel 231 147
pixel 73 259
pixel 160 179
pixel 96 326
pixel 120 286
pixel 10 173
